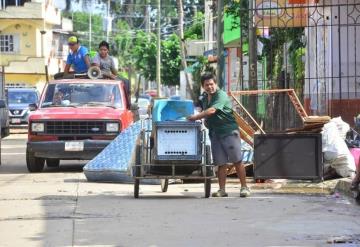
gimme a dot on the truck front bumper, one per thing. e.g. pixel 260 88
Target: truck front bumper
pixel 60 149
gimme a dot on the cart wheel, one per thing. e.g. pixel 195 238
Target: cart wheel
pixel 207 187
pixel 136 188
pixel 208 171
pixel 164 184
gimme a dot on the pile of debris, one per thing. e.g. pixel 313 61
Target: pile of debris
pixel 313 124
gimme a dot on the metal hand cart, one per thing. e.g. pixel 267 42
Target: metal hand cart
pixel 172 150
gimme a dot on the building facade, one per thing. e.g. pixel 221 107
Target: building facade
pixel 31 38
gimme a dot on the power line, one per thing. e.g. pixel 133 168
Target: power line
pixel 187 23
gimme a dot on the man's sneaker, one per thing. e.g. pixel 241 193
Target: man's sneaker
pixel 245 192
pixel 220 193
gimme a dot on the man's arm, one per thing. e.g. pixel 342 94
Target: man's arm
pixel 68 64
pixel 113 69
pixel 204 114
pixel 67 68
pixel 87 61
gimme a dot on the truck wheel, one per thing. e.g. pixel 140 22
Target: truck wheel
pixel 34 164
pixel 52 162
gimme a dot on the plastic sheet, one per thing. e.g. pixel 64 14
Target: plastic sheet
pixel 172 110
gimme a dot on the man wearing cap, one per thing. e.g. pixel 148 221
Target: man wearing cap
pixel 78 57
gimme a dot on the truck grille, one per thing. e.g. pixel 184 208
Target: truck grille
pixel 16 112
pixel 75 127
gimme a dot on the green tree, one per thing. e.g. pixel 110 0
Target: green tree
pixel 171 60
pixel 81 27
pixel 144 52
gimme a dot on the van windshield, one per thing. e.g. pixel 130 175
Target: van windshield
pixel 89 94
pixel 22 97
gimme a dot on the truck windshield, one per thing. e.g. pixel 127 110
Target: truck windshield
pixel 22 97
pixel 90 94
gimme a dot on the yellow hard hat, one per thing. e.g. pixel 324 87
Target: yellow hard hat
pixel 73 40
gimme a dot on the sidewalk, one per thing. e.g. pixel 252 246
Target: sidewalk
pixel 285 186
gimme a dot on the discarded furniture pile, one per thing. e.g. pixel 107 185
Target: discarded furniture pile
pixel 314 151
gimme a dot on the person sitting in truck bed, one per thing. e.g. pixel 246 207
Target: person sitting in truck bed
pixel 78 57
pixel 105 62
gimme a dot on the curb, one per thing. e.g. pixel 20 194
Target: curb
pixel 343 186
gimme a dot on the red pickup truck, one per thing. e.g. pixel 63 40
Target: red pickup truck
pixel 75 120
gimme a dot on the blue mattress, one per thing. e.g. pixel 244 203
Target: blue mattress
pixel 112 163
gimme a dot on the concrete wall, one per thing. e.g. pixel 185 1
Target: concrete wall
pixel 36 10
pixel 27 33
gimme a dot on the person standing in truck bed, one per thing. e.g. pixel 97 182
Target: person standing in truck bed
pixel 78 57
pixel 105 62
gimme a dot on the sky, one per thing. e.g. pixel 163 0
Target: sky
pixel 81 5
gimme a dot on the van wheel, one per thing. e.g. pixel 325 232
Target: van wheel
pixel 34 164
pixel 52 162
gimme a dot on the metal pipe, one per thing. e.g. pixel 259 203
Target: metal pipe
pixel 158 50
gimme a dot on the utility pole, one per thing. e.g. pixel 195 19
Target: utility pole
pixel 90 27
pixel 148 30
pixel 220 43
pixel 158 49
pixel 252 59
pixel 108 23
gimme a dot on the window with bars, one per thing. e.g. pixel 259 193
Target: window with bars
pixel 7 43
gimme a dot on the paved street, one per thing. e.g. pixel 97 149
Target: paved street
pixel 60 208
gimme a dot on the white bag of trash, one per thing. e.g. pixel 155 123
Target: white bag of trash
pixel 336 153
pixel 341 126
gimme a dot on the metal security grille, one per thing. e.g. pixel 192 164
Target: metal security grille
pixel 312 46
pixel 69 128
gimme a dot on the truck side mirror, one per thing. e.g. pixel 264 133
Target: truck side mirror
pixel 2 103
pixel 33 107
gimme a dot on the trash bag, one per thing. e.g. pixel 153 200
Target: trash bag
pixel 336 152
pixel 341 126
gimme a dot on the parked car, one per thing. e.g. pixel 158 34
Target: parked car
pixel 19 100
pixel 75 120
pixel 4 118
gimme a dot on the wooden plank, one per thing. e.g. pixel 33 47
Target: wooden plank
pixel 244 136
pixel 315 119
pixel 243 124
pixel 297 104
pixel 248 114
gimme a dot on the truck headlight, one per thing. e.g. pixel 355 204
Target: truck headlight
pixel 112 127
pixel 37 127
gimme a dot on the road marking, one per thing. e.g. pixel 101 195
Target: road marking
pixel 12 146
pixel 12 154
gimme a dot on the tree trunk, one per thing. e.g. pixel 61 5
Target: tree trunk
pixel 189 84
